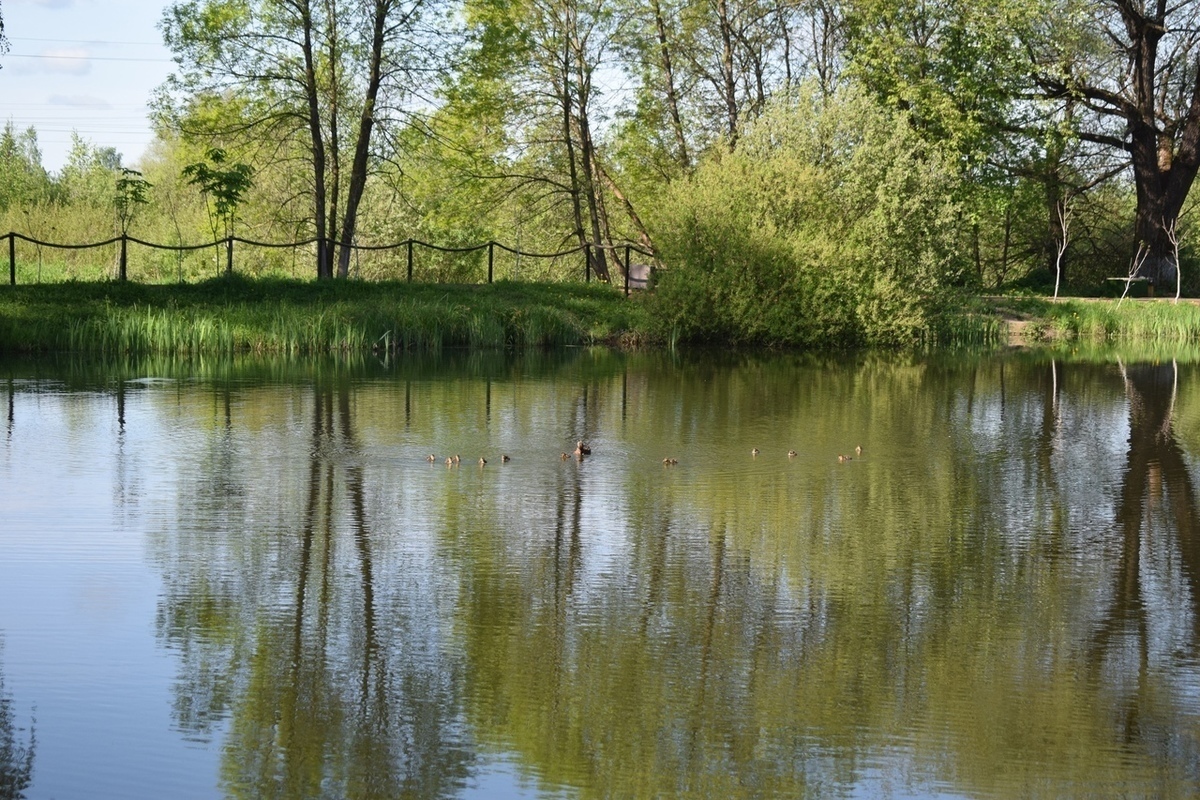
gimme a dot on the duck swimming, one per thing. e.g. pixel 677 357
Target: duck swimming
pixel 582 449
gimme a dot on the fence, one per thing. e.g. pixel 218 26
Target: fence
pixel 627 267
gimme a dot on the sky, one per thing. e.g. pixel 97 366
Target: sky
pixel 83 65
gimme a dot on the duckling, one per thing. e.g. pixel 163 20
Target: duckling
pixel 565 456
pixel 843 459
pixel 450 461
pixel 482 461
pixel 457 459
pixel 505 459
pixel 754 452
pixel 431 458
pixel 582 449
pixel 791 453
pixel 670 462
pixel 858 449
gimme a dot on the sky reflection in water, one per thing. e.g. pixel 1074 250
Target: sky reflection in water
pixel 245 580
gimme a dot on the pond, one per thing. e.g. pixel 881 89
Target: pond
pixel 245 579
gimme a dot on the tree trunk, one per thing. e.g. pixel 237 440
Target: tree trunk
pixel 588 151
pixel 669 79
pixel 324 262
pixel 335 146
pixel 366 123
pixel 727 76
pixel 569 142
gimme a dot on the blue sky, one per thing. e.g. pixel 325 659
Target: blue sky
pixel 84 65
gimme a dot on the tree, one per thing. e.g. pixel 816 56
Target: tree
pixel 224 187
pixel 130 195
pixel 317 77
pixel 23 179
pixel 1130 69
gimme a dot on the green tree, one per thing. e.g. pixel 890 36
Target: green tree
pixel 131 195
pixel 223 185
pixel 833 222
pixel 317 77
pixel 23 179
pixel 1128 70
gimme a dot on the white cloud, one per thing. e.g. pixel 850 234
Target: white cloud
pixel 68 60
pixel 43 3
pixel 79 101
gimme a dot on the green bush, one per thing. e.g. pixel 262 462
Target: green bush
pixel 831 224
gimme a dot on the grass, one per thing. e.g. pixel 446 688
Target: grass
pixel 301 317
pixel 1103 321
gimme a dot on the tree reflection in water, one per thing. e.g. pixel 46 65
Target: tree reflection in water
pixel 785 630
pixel 322 700
pixel 1158 535
pixel 16 752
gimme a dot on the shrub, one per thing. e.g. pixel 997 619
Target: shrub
pixel 830 224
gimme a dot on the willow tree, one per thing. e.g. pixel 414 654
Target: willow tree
pixel 1130 70
pixel 313 75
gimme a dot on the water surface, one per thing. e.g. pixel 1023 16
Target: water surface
pixel 245 580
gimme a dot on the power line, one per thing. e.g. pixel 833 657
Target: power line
pixel 100 42
pixel 84 57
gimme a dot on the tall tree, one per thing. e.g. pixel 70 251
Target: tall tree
pixel 317 76
pixel 1130 69
pixel 544 56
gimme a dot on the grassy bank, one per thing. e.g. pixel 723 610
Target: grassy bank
pixel 281 316
pixel 1100 321
pixel 241 315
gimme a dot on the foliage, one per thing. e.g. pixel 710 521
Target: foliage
pixel 132 193
pixel 224 187
pixel 281 316
pixel 831 224
pixel 16 758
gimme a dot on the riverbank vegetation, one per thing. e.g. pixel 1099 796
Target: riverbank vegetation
pixel 837 173
pixel 293 317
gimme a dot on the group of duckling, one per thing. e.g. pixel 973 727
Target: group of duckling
pixel 582 450
pixel 455 460
pixel 842 458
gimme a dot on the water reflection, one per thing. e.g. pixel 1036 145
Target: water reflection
pixel 18 746
pixel 322 699
pixel 999 597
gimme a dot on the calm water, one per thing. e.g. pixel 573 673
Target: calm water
pixel 245 580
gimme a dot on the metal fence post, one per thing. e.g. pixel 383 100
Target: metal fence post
pixel 123 274
pixel 410 243
pixel 12 259
pixel 229 257
pixel 491 259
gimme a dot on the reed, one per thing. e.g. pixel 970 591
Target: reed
pixel 299 317
pixel 1110 321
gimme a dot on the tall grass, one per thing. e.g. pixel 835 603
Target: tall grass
pixel 1109 321
pixel 296 317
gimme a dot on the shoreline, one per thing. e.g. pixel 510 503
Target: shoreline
pixel 291 317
